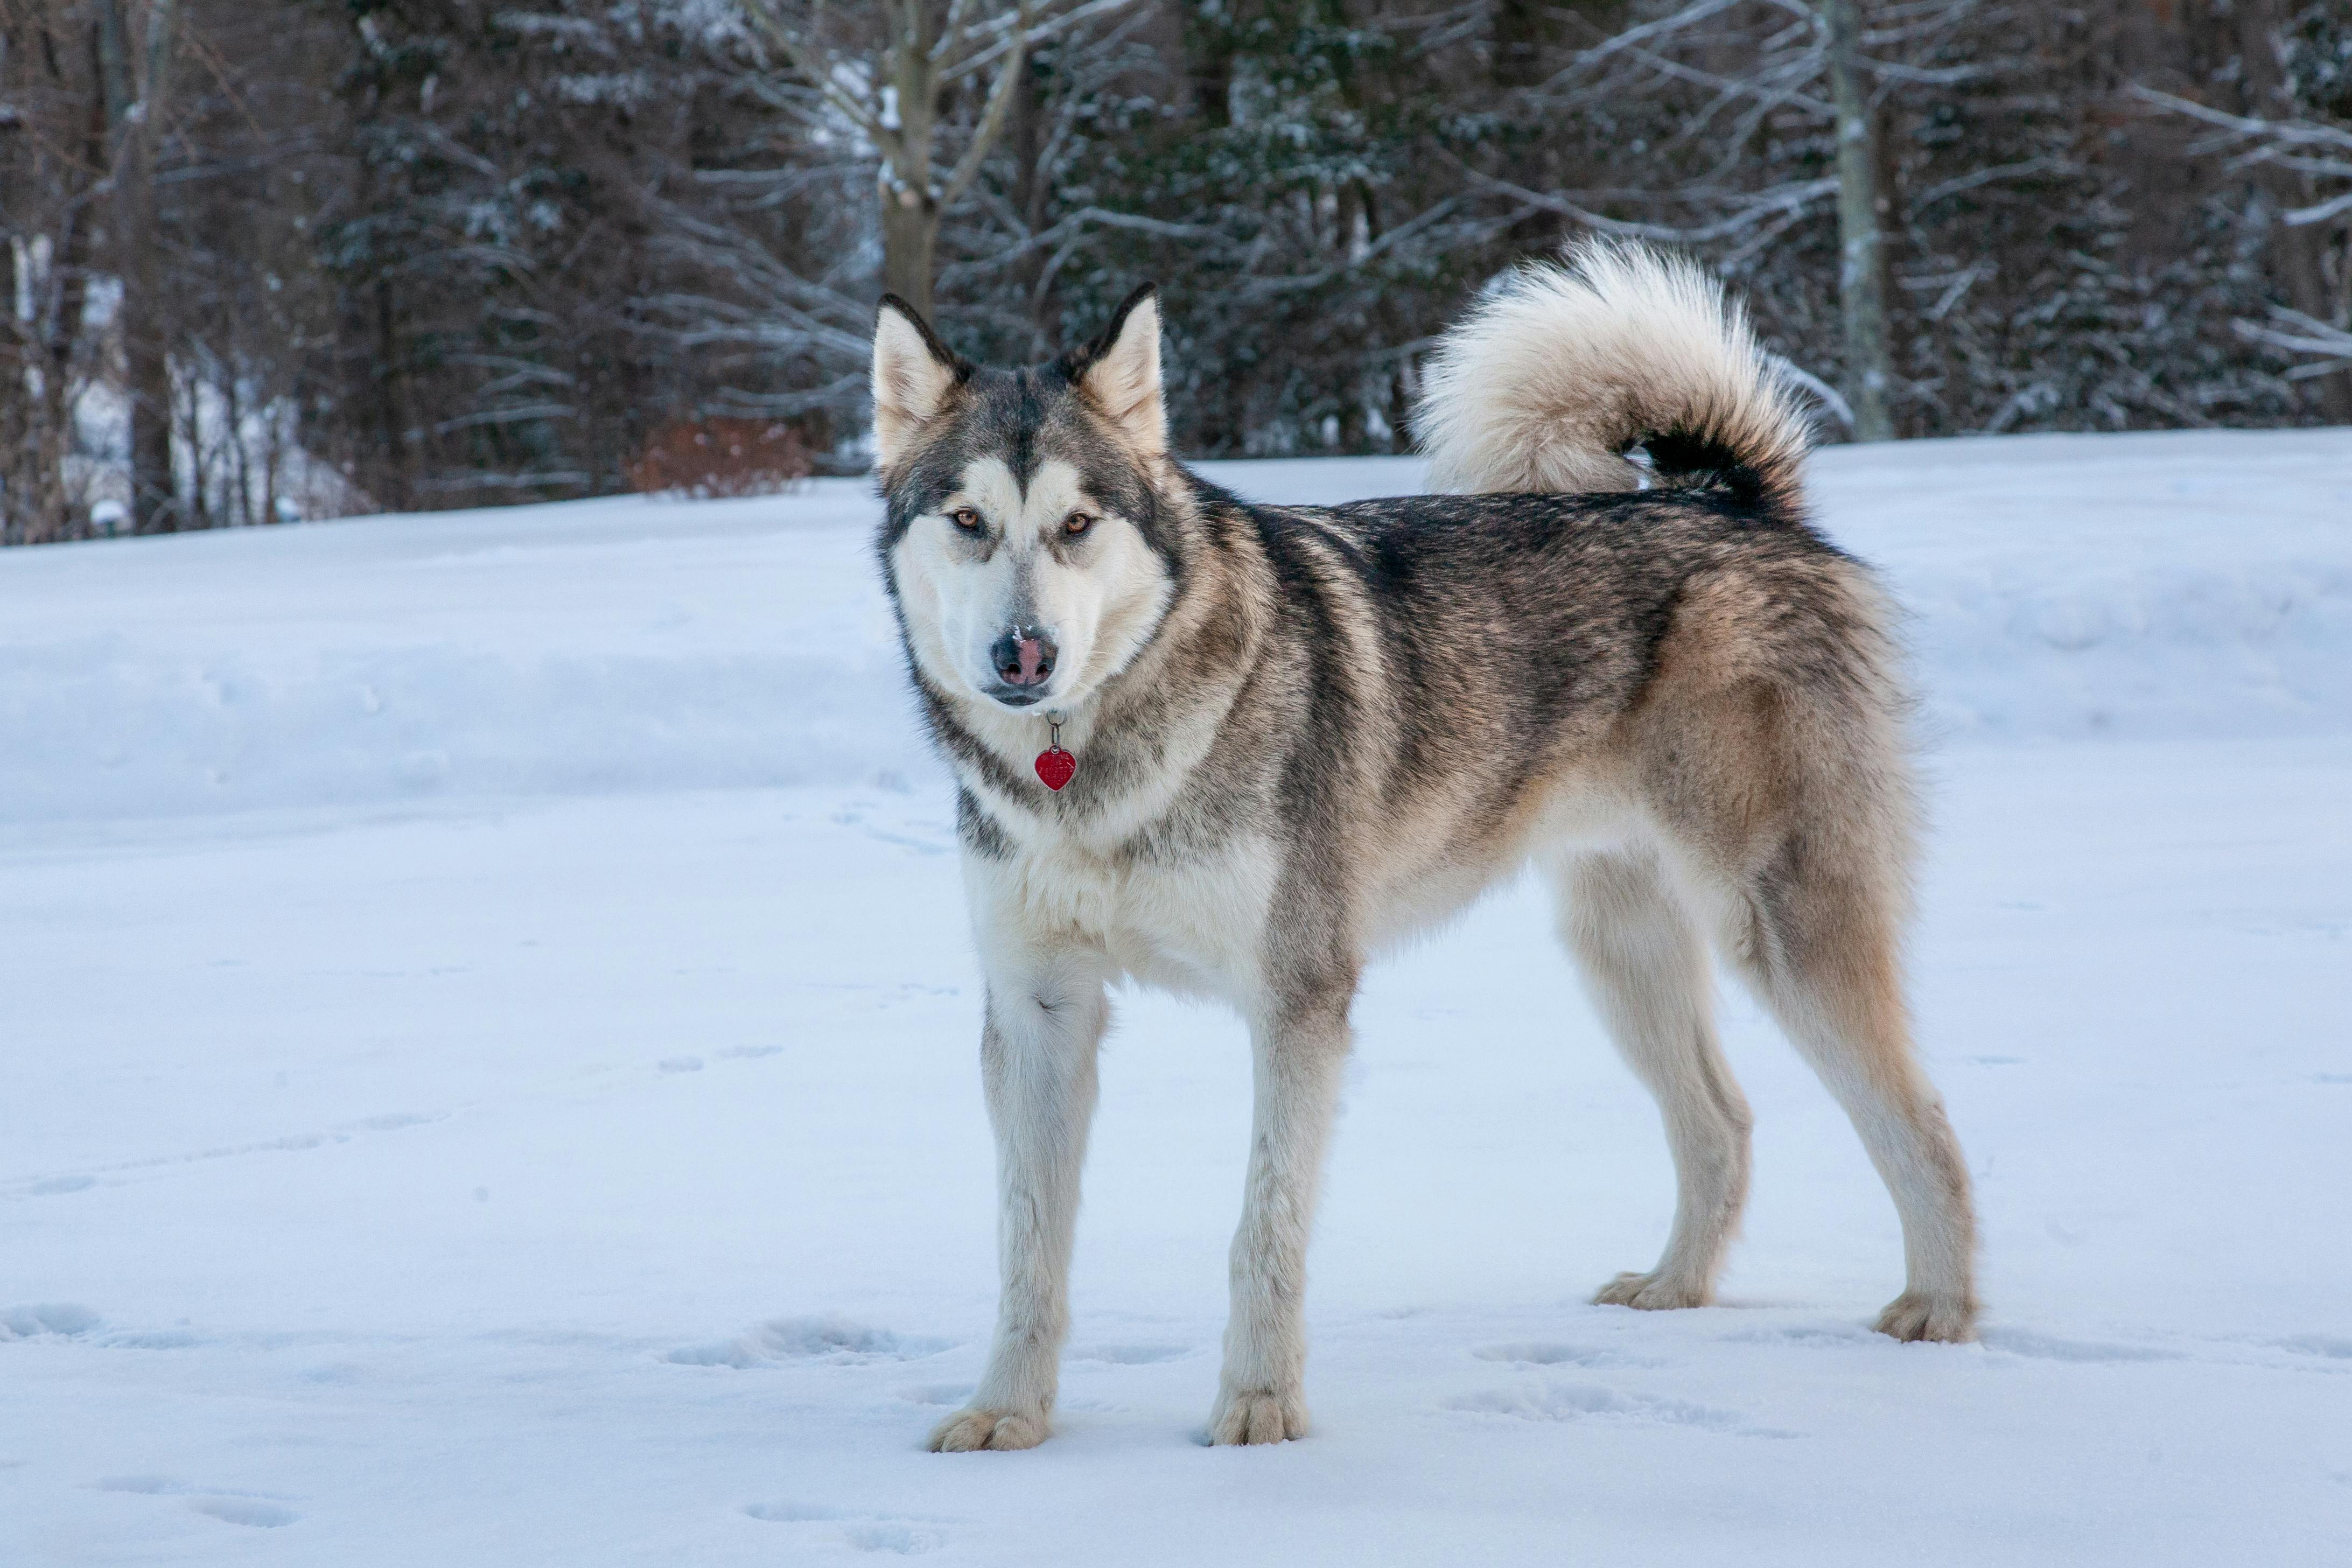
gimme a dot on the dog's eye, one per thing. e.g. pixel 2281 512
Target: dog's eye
pixel 1078 523
pixel 963 517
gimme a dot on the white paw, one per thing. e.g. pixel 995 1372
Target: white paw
pixel 1259 1415
pixel 1951 1320
pixel 971 1430
pixel 1651 1293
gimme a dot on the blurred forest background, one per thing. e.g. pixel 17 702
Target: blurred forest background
pixel 276 258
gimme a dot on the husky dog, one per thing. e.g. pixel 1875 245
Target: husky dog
pixel 1238 750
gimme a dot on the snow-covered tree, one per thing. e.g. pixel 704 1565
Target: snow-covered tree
pixel 272 258
pixel 2289 131
pixel 886 78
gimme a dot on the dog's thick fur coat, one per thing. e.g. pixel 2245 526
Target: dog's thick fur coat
pixel 1305 734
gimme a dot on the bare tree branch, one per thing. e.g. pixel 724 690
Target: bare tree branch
pixel 818 64
pixel 991 118
pixel 2284 132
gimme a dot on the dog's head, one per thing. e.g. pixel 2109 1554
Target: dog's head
pixel 1033 514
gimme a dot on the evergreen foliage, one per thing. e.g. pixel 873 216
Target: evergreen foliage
pixel 423 253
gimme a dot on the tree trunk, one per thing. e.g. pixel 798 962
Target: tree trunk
pixel 60 347
pixel 15 409
pixel 907 186
pixel 135 109
pixel 394 479
pixel 1517 50
pixel 146 350
pixel 1862 261
pixel 1033 198
pixel 911 232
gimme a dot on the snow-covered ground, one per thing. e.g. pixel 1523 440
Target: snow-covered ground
pixel 488 1077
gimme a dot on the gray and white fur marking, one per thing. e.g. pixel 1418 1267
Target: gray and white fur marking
pixel 1305 734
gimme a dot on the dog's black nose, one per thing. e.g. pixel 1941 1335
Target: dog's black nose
pixel 1023 656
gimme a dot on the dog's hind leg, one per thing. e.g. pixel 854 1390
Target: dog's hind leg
pixel 1047 1014
pixel 1646 969
pixel 1768 751
pixel 1796 828
pixel 1814 933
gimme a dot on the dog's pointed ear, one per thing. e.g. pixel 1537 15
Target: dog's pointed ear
pixel 913 375
pixel 1120 371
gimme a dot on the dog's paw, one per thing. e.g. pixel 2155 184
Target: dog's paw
pixel 970 1429
pixel 1950 1320
pixel 1258 1416
pixel 1649 1292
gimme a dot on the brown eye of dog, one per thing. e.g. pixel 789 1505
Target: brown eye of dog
pixel 963 517
pixel 1078 523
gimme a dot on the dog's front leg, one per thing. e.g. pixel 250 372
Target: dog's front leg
pixel 1046 1013
pixel 1299 1053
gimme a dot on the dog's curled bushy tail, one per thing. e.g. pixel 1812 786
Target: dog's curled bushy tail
pixel 1565 367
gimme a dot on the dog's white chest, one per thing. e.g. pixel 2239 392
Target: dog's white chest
pixel 1195 926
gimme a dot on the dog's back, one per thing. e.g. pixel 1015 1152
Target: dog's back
pixel 1589 637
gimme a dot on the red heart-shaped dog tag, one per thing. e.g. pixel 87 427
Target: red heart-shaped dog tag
pixel 1054 766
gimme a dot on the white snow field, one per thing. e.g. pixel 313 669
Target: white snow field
pixel 487 1076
